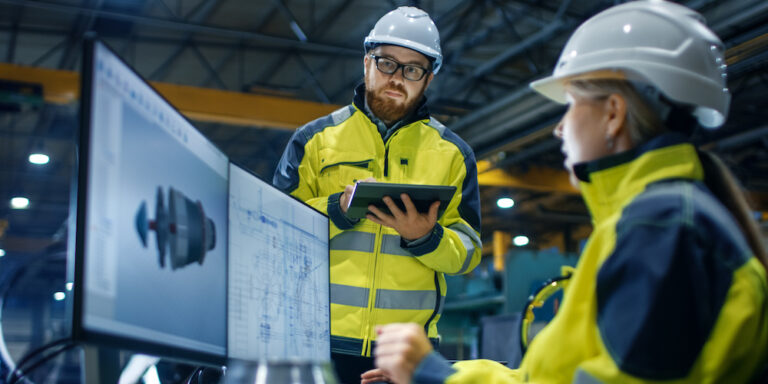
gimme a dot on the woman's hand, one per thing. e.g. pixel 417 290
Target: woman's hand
pixel 400 348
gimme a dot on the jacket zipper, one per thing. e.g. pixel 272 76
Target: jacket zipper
pixel 386 152
pixel 372 293
pixel 437 305
pixel 386 159
pixel 367 342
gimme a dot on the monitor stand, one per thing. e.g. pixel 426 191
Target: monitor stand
pixel 99 365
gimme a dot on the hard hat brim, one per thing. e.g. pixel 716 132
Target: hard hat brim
pixel 553 87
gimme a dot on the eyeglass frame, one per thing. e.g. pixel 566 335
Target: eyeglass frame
pixel 400 66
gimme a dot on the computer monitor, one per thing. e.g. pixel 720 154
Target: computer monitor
pixel 151 253
pixel 278 274
pixel 178 252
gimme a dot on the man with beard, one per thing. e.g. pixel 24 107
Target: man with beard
pixel 387 268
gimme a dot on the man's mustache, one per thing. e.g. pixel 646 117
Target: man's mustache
pixel 396 87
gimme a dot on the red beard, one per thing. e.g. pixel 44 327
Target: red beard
pixel 388 109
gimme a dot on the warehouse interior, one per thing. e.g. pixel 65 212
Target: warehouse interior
pixel 248 73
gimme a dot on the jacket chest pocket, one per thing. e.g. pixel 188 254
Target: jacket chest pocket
pixel 336 175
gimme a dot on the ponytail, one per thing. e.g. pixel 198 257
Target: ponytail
pixel 724 186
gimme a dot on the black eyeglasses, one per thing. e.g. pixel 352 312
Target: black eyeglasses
pixel 410 72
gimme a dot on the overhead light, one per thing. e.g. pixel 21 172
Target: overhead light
pixel 39 158
pixel 505 202
pixel 69 285
pixel 2 252
pixel 19 202
pixel 59 296
pixel 521 240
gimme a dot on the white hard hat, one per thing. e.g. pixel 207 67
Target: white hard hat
pixel 657 42
pixel 408 27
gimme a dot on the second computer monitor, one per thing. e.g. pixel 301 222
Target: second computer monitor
pixel 278 274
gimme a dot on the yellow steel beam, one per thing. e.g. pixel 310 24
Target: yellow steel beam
pixel 202 104
pixel 534 178
pixel 59 87
pixel 501 241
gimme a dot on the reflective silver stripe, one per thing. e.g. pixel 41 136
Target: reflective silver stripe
pixel 390 244
pixel 394 299
pixel 349 295
pixel 437 125
pixel 469 238
pixel 468 245
pixel 341 114
pixel 353 241
pixel 467 230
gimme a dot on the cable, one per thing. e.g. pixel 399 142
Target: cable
pixel 18 373
pixel 191 376
pixel 21 373
pixel 39 350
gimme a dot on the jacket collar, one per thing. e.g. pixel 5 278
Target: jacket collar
pixel 420 113
pixel 611 182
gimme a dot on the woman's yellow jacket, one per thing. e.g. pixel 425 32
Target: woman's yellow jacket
pixel 666 289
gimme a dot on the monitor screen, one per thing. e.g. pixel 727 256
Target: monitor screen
pixel 152 222
pixel 278 274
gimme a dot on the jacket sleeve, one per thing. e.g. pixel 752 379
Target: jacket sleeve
pixel 454 245
pixel 434 369
pixel 296 174
pixel 660 293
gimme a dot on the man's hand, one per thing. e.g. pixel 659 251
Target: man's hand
pixel 344 198
pixel 411 224
pixel 400 348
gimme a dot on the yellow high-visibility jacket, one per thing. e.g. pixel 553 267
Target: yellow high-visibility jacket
pixel 666 289
pixel 376 278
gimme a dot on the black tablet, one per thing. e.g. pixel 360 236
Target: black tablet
pixel 367 193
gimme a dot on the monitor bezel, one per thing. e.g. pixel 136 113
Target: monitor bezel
pixel 328 219
pixel 80 333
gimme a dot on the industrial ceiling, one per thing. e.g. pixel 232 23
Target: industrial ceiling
pixel 305 57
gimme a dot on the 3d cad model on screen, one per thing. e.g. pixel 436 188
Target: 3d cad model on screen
pixel 183 227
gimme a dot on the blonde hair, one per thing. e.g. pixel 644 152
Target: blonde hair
pixel 644 123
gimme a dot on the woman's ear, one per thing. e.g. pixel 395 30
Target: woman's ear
pixel 616 114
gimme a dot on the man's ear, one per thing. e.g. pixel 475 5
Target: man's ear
pixel 616 115
pixel 366 59
pixel 429 79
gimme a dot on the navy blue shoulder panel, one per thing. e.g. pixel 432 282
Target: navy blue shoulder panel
pixel 660 292
pixel 469 208
pixel 286 176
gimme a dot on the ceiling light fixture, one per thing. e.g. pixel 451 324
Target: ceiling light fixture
pixel 19 202
pixel 39 158
pixel 521 240
pixel 505 202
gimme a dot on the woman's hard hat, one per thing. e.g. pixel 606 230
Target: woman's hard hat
pixel 657 42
